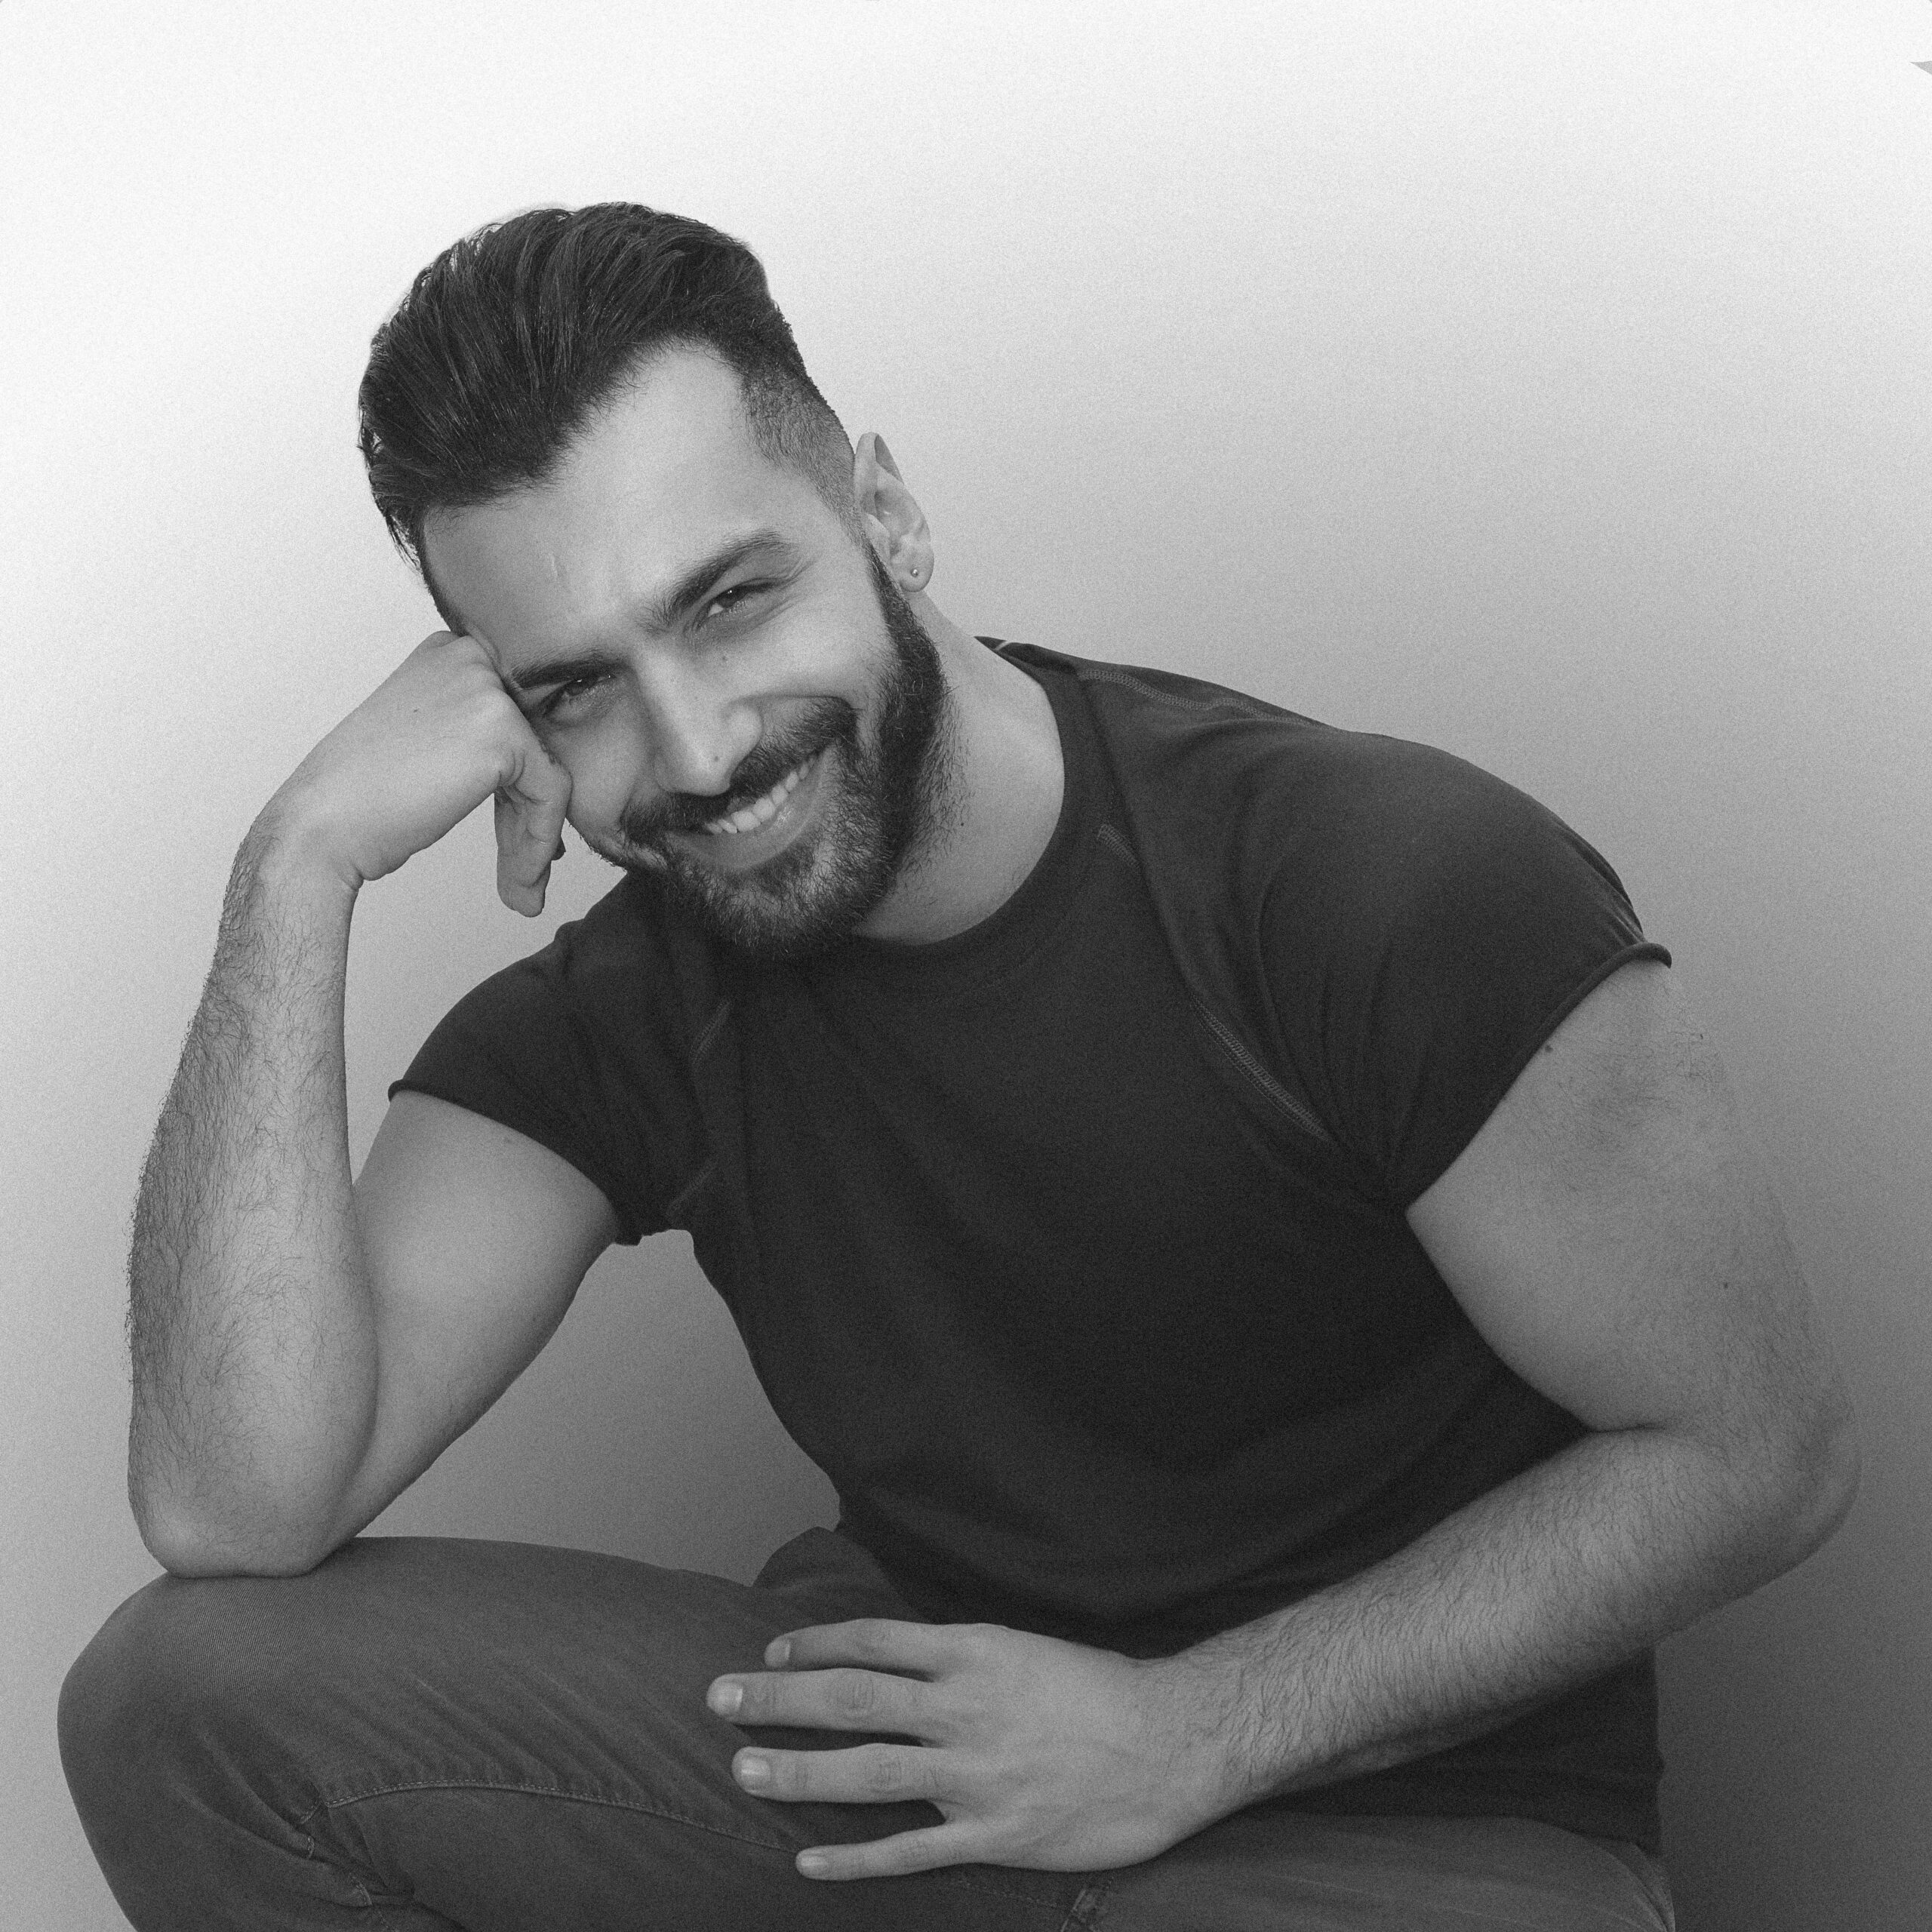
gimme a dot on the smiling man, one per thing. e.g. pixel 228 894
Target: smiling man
pixel 780 821
pixel 1237 1208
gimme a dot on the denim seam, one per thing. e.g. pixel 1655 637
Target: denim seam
pixel 1083 1915
pixel 365 1901
pixel 1483 1915
pixel 1664 1906
pixel 953 1877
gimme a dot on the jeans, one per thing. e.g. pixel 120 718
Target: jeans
pixel 425 1733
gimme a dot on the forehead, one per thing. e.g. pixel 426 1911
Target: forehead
pixel 663 474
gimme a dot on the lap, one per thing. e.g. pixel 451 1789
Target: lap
pixel 1268 1869
pixel 486 1735
pixel 494 1735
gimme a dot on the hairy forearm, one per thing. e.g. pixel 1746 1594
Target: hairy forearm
pixel 1565 1571
pixel 252 1342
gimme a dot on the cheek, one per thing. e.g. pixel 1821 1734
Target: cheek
pixel 607 769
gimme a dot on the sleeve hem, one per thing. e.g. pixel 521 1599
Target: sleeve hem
pixel 628 1232
pixel 1535 1042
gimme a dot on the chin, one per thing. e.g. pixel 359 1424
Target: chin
pixel 803 901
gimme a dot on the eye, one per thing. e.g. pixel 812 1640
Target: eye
pixel 569 698
pixel 732 598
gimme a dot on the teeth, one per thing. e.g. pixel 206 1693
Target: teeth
pixel 760 812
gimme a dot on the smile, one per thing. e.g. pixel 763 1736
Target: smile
pixel 742 840
pixel 762 810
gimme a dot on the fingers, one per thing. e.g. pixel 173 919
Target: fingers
pixel 863 1774
pixel 864 1675
pixel 839 1700
pixel 415 758
pixel 880 1643
pixel 895 1857
pixel 522 875
pixel 530 815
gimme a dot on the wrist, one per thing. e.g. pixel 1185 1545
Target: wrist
pixel 288 853
pixel 1210 1733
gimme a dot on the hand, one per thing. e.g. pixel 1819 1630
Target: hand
pixel 1036 1752
pixel 436 738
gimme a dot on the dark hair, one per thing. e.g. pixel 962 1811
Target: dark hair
pixel 512 338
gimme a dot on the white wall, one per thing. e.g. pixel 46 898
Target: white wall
pixel 1547 380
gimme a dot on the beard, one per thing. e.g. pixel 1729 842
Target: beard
pixel 884 800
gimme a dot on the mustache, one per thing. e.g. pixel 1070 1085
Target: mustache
pixel 826 720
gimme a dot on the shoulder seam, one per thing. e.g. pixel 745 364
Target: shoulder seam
pixel 1117 842
pixel 1109 673
pixel 708 1033
pixel 1237 1050
pixel 675 1205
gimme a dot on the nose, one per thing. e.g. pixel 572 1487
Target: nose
pixel 697 734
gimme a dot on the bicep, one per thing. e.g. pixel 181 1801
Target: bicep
pixel 1612 1236
pixel 475 1239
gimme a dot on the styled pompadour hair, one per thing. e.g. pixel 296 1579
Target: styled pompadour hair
pixel 511 339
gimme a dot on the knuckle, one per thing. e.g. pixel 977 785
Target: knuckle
pixel 883 1772
pixel 855 1693
pixel 973 1642
pixel 868 1636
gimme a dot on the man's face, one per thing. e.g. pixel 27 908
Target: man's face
pixel 746 704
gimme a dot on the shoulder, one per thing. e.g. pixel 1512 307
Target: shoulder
pixel 626 963
pixel 1390 928
pixel 585 1047
pixel 1287 802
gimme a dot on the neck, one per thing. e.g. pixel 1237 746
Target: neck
pixel 1007 779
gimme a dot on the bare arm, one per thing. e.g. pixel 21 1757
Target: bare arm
pixel 276 1407
pixel 1610 1235
pixel 254 1366
pixel 1613 1239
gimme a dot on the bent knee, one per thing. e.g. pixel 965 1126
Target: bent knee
pixel 179 1664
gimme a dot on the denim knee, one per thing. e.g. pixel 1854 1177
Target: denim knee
pixel 160 1693
pixel 126 1696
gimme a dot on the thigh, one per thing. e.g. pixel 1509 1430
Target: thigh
pixel 491 1736
pixel 1279 1871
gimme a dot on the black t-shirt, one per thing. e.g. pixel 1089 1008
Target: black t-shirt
pixel 1087 1280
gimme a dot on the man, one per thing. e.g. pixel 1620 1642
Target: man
pixel 1237 1208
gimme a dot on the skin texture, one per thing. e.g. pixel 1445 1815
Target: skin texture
pixel 302 1351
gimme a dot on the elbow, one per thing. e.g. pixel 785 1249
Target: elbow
pixel 185 1554
pixel 199 1517
pixel 189 1543
pixel 1835 1468
pixel 1820 1468
pixel 183 1551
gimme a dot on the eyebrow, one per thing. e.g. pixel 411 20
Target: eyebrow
pixel 664 611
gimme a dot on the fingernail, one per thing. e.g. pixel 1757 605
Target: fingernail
pixel 725 1698
pixel 754 1771
pixel 812 1864
pixel 778 1653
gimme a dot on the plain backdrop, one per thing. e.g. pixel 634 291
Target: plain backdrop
pixel 1549 381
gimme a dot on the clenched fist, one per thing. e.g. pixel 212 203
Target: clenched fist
pixel 429 745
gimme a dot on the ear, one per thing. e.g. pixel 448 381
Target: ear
pixel 894 523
